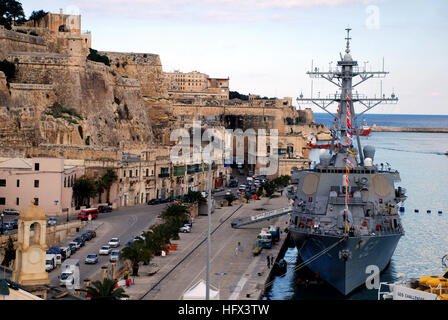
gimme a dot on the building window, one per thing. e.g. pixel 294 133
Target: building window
pixel 65 182
pixel 36 201
pixel 36 183
pixel 130 173
pixel 71 183
pixel 18 183
pixel 2 182
pixel 17 201
pixel 36 167
pixel 136 173
pixel 2 201
pixel 147 172
pixel 124 173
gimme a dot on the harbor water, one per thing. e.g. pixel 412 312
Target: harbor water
pixel 420 158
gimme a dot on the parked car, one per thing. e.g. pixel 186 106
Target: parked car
pixel 114 242
pixel 74 246
pixel 102 209
pixel 9 225
pixel 91 258
pixel 104 250
pixel 114 255
pixel 15 223
pixel 87 236
pixel 228 192
pixel 185 229
pixel 154 201
pixel 10 211
pixel 80 241
pixel 130 242
pixel 66 252
pixel 52 221
pixel 242 187
pixel 233 184
pixel 92 233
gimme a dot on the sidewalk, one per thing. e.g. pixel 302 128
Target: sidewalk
pixel 237 273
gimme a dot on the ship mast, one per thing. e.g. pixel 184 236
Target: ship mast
pixel 342 76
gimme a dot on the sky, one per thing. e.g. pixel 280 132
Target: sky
pixel 266 47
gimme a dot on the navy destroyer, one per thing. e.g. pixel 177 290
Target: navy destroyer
pixel 344 220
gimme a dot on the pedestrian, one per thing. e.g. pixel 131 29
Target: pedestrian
pixel 268 261
pixel 272 260
pixel 236 251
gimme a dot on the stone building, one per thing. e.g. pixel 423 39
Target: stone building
pixel 47 181
pixel 196 84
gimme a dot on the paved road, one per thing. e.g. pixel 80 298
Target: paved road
pixel 124 224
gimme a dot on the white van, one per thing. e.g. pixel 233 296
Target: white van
pixel 69 277
pixel 50 262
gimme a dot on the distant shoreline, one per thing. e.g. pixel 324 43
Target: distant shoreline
pixel 399 129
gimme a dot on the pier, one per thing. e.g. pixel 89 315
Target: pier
pixel 400 129
pixel 235 271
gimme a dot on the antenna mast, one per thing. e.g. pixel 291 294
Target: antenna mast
pixel 342 76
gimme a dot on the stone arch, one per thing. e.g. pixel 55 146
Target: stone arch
pixel 35 238
pixel 63 28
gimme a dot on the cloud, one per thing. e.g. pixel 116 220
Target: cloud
pixel 209 10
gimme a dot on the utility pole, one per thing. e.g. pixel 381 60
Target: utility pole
pixel 209 213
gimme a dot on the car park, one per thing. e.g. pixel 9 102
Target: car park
pixel 91 258
pixel 104 250
pixel 52 221
pixel 10 211
pixel 114 255
pixel 114 242
pixel 102 209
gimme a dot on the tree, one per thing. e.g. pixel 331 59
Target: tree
pixel 194 196
pixel 136 253
pixel 100 186
pixel 37 15
pixel 247 197
pixel 95 56
pixel 83 189
pixel 259 192
pixel 15 10
pixel 175 211
pixel 10 253
pixel 269 187
pixel 105 290
pixel 108 179
pixel 230 198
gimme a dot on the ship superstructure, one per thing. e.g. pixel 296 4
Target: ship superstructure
pixel 345 209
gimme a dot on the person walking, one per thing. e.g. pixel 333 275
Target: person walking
pixel 272 260
pixel 268 261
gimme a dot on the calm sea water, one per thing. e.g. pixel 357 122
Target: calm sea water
pixel 423 167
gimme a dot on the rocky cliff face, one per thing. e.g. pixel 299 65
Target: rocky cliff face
pixel 64 99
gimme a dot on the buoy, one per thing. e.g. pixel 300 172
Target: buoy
pixel 401 209
pixel 416 210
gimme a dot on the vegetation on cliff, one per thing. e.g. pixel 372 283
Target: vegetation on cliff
pixel 237 95
pixel 58 111
pixel 36 15
pixel 95 56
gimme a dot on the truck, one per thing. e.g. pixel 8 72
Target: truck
pixel 275 232
pixel 264 239
pixel 50 262
pixel 70 274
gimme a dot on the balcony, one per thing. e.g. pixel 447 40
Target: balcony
pixel 164 175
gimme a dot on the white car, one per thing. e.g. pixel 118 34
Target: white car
pixel 242 187
pixel 114 255
pixel 104 250
pixel 9 211
pixel 185 229
pixel 228 192
pixel 114 242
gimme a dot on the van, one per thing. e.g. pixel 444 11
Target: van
pixel 69 277
pixel 50 262
pixel 65 252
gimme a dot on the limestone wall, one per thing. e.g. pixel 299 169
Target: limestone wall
pixel 11 41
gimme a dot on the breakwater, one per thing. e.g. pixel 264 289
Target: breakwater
pixel 400 129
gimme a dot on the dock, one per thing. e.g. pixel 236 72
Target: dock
pixel 234 270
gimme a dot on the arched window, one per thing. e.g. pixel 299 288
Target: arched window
pixel 35 231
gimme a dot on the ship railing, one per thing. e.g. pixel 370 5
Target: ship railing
pixel 386 295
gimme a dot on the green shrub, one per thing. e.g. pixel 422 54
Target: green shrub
pixel 95 56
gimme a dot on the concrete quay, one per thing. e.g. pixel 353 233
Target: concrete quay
pixel 236 272
pixel 399 129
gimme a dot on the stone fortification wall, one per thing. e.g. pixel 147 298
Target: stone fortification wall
pixel 145 67
pixel 11 41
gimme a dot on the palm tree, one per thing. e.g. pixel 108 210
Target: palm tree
pixel 10 253
pixel 175 211
pixel 100 186
pixel 136 253
pixel 194 196
pixel 105 290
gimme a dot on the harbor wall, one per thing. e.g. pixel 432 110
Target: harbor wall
pixel 399 129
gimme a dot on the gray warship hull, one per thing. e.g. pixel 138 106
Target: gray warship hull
pixel 345 275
